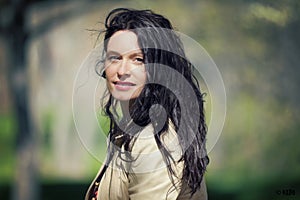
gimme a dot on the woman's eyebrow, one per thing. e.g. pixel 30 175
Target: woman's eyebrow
pixel 137 54
pixel 113 53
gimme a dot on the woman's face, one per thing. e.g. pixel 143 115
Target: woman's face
pixel 124 66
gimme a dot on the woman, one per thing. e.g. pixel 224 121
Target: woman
pixel 156 147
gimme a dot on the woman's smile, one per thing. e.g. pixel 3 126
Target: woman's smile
pixel 123 86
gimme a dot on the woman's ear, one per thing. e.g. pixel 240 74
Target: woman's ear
pixel 103 74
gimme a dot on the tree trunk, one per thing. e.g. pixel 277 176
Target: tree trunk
pixel 25 184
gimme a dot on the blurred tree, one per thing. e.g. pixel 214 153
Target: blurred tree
pixel 17 33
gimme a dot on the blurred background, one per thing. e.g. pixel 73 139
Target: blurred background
pixel 255 44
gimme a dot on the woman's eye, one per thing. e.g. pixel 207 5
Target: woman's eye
pixel 139 60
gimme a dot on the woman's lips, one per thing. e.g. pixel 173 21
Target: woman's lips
pixel 123 86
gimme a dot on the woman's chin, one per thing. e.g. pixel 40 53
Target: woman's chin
pixel 124 96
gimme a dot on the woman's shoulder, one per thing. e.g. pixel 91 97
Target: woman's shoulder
pixel 145 141
pixel 147 154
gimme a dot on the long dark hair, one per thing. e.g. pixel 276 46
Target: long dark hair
pixel 161 47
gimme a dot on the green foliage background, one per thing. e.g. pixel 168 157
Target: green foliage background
pixel 256 46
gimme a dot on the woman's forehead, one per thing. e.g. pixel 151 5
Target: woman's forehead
pixel 123 42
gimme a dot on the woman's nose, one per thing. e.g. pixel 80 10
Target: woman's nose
pixel 123 68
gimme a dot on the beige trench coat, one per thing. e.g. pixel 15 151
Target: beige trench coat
pixel 147 177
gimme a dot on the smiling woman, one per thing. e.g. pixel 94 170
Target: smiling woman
pixel 124 66
pixel 156 149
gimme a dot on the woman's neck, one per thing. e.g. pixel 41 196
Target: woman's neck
pixel 126 107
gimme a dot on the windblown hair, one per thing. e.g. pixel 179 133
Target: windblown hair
pixel 161 47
